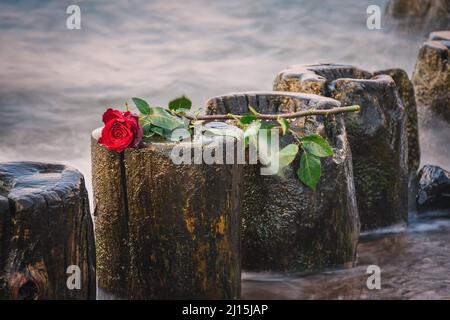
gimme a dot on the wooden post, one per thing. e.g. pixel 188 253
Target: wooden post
pixel 431 79
pixel 286 225
pixel 45 227
pixel 412 16
pixel 166 231
pixel 406 91
pixel 377 135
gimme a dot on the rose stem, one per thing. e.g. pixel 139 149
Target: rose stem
pixel 290 115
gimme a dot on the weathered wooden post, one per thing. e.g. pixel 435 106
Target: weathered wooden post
pixel 45 227
pixel 286 225
pixel 377 135
pixel 423 15
pixel 166 230
pixel 431 79
pixel 406 91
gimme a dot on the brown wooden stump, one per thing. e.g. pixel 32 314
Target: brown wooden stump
pixel 286 225
pixel 45 226
pixel 423 16
pixel 377 135
pixel 406 91
pixel 165 231
pixel 431 79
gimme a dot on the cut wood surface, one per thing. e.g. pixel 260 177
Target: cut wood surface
pixel 165 231
pixel 45 227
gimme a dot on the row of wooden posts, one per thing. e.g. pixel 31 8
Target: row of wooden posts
pixel 186 231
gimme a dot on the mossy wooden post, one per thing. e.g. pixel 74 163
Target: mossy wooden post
pixel 45 227
pixel 166 230
pixel 377 135
pixel 111 222
pixel 431 79
pixel 412 16
pixel 406 91
pixel 286 225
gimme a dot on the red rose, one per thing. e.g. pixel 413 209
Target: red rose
pixel 122 130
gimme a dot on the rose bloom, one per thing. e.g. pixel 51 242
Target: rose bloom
pixel 122 130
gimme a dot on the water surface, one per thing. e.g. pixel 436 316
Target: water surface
pixel 414 264
pixel 55 83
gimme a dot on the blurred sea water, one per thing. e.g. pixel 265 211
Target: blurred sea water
pixel 55 84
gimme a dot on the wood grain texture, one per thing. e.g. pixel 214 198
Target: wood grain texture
pixel 179 230
pixel 45 226
pixel 431 79
pixel 377 134
pixel 407 94
pixel 286 225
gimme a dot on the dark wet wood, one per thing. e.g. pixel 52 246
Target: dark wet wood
pixel 286 225
pixel 111 221
pixel 166 231
pixel 45 226
pixel 431 79
pixel 377 135
pixel 406 91
pixel 413 16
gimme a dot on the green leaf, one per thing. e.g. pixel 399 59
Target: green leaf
pixel 316 145
pixel 309 171
pixel 220 132
pixel 287 155
pixel 247 119
pixel 284 125
pixel 158 130
pixel 142 105
pixel 147 130
pixel 180 103
pixel 182 111
pixel 178 134
pixel 169 135
pixel 160 117
pixel 253 110
pixel 284 157
pixel 264 139
pixel 252 129
pixel 217 128
pixel 252 132
pixel 267 126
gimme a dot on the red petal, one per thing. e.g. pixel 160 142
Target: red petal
pixel 111 114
